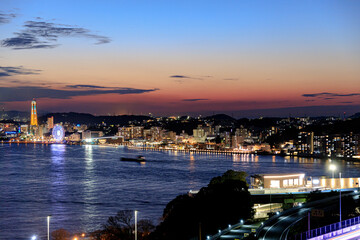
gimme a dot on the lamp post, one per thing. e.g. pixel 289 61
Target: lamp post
pixel 136 224
pixel 48 226
pixel 332 168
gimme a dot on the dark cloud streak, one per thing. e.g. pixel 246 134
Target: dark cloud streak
pixel 327 94
pixel 194 99
pixel 40 34
pixel 6 17
pixel 13 94
pixel 85 86
pixel 20 70
pixel 179 76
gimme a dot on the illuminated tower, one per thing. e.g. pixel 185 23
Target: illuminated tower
pixel 34 121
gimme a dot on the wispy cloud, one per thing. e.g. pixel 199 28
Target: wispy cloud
pixel 6 17
pixel 85 86
pixel 179 76
pixel 194 99
pixel 12 94
pixel 41 34
pixel 327 94
pixel 20 70
pixel 230 79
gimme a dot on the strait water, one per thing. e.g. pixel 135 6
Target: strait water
pixel 81 186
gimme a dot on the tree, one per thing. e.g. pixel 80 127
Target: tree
pixel 120 227
pixel 145 227
pixel 60 234
pixel 224 201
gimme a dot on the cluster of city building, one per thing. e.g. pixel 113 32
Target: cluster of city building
pixel 208 135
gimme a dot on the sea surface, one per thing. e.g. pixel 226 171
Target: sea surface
pixel 81 186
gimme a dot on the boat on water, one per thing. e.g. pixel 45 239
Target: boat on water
pixel 139 159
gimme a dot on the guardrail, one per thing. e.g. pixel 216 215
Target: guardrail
pixel 326 231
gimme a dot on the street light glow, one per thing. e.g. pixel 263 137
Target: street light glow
pixel 33 237
pixel 332 167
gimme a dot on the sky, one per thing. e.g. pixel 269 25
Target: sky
pixel 245 58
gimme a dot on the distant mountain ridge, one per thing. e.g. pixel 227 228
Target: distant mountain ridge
pixel 356 115
pixel 15 115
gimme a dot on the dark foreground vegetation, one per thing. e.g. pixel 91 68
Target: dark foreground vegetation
pixel 226 200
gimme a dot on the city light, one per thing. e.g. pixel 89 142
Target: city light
pixel 33 237
pixel 332 167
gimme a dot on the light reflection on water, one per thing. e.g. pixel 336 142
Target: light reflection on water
pixel 80 186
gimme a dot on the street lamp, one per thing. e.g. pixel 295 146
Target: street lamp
pixel 33 237
pixel 332 168
pixel 48 226
pixel 136 224
pixel 340 197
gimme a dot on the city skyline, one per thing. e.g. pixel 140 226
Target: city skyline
pixel 246 59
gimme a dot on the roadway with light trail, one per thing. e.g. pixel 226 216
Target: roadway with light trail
pixel 278 227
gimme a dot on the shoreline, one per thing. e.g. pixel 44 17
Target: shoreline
pixel 209 151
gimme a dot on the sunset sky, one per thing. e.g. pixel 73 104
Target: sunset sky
pixel 248 58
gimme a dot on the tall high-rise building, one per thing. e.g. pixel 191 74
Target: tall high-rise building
pixel 50 122
pixel 34 121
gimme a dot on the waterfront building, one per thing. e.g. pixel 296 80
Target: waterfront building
pixel 306 143
pixel 24 128
pixel 75 137
pixel 300 182
pixel 91 134
pixel 199 134
pixel 157 133
pixel 293 180
pixel 131 132
pixel 50 122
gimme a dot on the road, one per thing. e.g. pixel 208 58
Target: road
pixel 277 228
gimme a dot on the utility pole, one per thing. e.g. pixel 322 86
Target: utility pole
pixel 136 224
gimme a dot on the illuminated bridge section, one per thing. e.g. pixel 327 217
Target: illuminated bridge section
pixel 346 230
